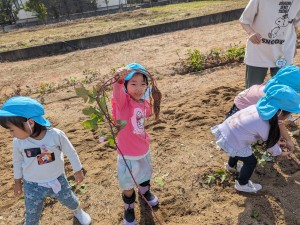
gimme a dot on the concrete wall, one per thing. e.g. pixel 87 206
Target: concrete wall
pixel 96 41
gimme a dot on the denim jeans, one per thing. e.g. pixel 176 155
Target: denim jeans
pixel 34 198
pixel 249 164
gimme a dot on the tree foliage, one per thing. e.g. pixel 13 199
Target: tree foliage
pixel 7 13
pixel 37 7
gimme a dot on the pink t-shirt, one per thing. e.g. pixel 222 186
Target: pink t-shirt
pixel 249 96
pixel 132 140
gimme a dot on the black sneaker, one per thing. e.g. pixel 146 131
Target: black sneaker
pixel 151 198
pixel 129 217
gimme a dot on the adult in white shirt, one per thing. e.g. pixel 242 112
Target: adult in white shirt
pixel 271 26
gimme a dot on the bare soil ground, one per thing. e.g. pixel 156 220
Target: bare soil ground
pixel 93 26
pixel 182 146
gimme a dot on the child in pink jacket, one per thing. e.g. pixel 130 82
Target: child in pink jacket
pixel 133 141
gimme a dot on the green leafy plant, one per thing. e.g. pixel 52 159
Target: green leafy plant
pixel 99 114
pixel 219 176
pixel 235 54
pixel 255 214
pixel 82 189
pixel 260 153
pixel 159 180
pixel 197 61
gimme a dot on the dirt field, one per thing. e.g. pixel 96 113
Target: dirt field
pixel 182 145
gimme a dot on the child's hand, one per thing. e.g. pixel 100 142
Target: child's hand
pixel 282 143
pixel 255 38
pixel 79 176
pixel 122 72
pixel 290 145
pixel 18 188
pixel 286 154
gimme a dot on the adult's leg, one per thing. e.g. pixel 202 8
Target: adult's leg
pixel 274 71
pixel 255 75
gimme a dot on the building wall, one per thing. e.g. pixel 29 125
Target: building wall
pixel 101 3
pixel 24 15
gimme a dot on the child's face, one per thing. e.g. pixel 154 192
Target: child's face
pixel 18 132
pixel 137 86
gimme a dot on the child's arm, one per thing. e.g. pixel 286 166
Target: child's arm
pixel 69 150
pixel 284 133
pixel 275 150
pixel 18 187
pixel 18 172
pixel 119 95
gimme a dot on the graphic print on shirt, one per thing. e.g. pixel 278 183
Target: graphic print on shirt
pixel 283 21
pixel 235 119
pixel 137 121
pixel 45 157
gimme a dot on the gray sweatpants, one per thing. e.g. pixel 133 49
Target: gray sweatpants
pixel 257 75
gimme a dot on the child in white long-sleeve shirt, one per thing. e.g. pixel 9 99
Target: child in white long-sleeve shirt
pixel 38 159
pixel 257 122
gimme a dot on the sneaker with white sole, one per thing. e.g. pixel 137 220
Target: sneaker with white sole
pixel 82 217
pixel 236 169
pixel 250 187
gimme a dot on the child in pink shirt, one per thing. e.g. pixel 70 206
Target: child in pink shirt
pixel 133 141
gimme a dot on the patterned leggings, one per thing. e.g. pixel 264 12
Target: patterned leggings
pixel 35 195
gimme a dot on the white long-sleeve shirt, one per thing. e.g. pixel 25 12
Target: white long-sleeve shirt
pixel 43 168
pixel 239 131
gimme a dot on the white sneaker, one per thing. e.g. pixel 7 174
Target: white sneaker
pixel 250 187
pixel 82 216
pixel 232 169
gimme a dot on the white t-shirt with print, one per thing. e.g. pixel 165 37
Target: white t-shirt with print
pixel 43 160
pixel 275 21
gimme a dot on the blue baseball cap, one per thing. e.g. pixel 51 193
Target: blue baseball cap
pixel 278 97
pixel 136 68
pixel 25 107
pixel 288 75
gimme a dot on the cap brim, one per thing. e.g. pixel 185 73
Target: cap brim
pixel 4 113
pixel 129 76
pixel 134 71
pixel 42 121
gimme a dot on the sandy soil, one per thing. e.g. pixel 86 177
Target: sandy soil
pixel 182 146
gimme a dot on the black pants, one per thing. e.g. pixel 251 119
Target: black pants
pixel 247 169
pixel 232 111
